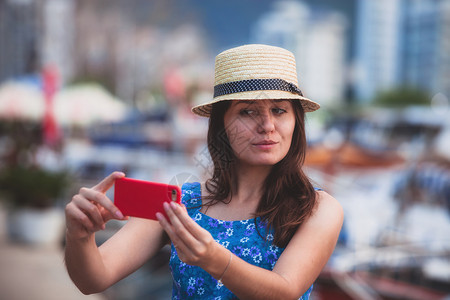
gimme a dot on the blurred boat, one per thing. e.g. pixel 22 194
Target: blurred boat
pixel 393 179
pixel 396 266
pixel 350 155
pixel 137 129
pixel 367 286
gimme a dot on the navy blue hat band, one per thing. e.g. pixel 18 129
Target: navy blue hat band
pixel 255 85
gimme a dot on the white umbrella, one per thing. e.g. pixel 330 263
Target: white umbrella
pixel 86 104
pixel 21 101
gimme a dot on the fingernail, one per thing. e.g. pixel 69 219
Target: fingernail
pixel 166 206
pixel 173 205
pixel 119 214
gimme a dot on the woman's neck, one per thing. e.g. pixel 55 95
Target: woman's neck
pixel 245 196
pixel 250 181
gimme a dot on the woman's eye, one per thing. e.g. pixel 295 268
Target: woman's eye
pixel 278 111
pixel 247 112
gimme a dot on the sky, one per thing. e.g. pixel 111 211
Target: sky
pixel 226 23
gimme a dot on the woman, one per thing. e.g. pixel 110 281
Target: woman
pixel 257 229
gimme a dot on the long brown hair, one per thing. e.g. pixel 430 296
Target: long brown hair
pixel 288 196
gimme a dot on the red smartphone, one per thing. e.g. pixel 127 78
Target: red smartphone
pixel 143 199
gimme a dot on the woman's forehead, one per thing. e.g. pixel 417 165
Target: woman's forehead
pixel 260 102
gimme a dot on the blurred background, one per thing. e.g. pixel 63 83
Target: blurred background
pixel 89 87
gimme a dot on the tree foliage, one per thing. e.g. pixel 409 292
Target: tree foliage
pixel 402 97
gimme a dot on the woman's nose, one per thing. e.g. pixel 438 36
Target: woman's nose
pixel 265 123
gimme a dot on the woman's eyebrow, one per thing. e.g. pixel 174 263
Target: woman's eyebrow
pixel 249 102
pixel 252 102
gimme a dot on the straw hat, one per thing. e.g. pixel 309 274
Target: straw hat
pixel 253 72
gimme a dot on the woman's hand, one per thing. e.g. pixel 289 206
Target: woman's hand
pixel 90 209
pixel 194 245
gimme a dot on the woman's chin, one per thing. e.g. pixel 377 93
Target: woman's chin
pixel 260 161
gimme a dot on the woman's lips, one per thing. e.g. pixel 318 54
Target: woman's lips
pixel 265 144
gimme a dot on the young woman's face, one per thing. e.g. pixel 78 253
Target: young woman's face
pixel 260 131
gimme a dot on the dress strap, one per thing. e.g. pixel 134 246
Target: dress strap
pixel 191 195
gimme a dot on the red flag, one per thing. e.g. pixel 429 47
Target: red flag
pixel 50 127
pixel 174 85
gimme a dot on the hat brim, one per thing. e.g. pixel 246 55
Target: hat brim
pixel 204 110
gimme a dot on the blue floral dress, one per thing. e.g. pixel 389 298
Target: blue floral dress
pixel 242 238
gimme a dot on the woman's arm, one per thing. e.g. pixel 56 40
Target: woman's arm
pixel 295 271
pixel 94 269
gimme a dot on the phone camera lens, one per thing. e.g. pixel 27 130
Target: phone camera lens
pixel 174 195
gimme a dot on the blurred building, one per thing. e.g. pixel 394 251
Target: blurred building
pixel 402 42
pixel 58 37
pixel 34 34
pixel 377 46
pixel 426 45
pixel 318 40
pixel 130 47
pixel 18 38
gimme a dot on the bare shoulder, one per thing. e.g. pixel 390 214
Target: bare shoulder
pixel 326 201
pixel 328 210
pixel 313 243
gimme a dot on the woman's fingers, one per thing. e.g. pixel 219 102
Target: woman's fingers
pixel 100 198
pixel 194 244
pixel 169 229
pixel 184 251
pixel 108 182
pixel 183 218
pixel 176 230
pixel 77 218
pixel 90 209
